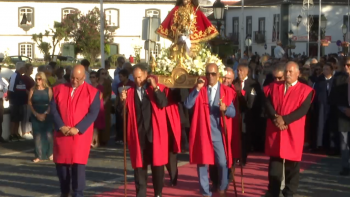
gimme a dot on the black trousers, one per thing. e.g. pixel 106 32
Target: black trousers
pixel 119 126
pixel 141 174
pixel 76 173
pixel 172 162
pixel 292 169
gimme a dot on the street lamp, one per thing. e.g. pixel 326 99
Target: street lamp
pixel 345 31
pixel 299 20
pixel 219 9
pixel 290 36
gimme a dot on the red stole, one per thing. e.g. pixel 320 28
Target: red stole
pixel 73 149
pixel 159 126
pixel 200 144
pixel 172 111
pixel 236 135
pixel 287 144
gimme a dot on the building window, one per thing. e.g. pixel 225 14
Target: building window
pixel 112 19
pixel 249 26
pixel 345 21
pixel 276 28
pixel 68 11
pixel 153 13
pixel 26 18
pixel 262 25
pixel 156 50
pixel 114 49
pixel 26 49
pixel 235 30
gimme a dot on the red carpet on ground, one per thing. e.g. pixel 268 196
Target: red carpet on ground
pixel 255 180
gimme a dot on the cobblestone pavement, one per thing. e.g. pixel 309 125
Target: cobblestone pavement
pixel 20 177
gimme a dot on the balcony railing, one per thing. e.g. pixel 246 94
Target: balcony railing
pixel 235 38
pixel 259 37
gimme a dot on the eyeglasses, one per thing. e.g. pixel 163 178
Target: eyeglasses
pixel 37 79
pixel 92 77
pixel 76 79
pixel 209 73
pixel 348 65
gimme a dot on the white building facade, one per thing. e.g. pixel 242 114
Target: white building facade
pixel 266 24
pixel 23 19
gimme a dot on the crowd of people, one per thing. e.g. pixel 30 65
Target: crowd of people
pixel 282 107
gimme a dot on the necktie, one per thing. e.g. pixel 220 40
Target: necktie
pixel 327 87
pixel 209 95
pixel 72 94
pixel 287 87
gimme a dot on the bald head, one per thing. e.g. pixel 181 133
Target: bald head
pixel 78 75
pixel 292 72
pixel 228 77
pixel 211 73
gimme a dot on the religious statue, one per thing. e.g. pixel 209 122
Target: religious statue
pixel 186 26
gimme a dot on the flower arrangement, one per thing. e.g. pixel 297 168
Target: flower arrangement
pixel 194 66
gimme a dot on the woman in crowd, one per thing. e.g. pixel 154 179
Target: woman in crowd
pixel 107 92
pixel 26 126
pixel 99 124
pixel 38 100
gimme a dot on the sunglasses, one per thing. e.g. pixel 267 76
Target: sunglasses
pixel 348 65
pixel 37 79
pixel 212 74
pixel 279 78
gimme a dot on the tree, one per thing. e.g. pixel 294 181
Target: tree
pixel 58 33
pixel 44 47
pixel 85 32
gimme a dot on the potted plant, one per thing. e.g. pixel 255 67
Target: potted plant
pixel 345 44
pixel 325 43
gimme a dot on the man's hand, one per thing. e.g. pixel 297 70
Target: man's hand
pixel 152 81
pixel 200 84
pixel 73 131
pixel 123 96
pixel 283 127
pixel 6 98
pixel 65 130
pixel 347 112
pixel 222 106
pixel 238 87
pixel 41 117
pixel 279 121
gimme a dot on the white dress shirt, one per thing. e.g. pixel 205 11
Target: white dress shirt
pixel 285 86
pixel 212 93
pixel 3 87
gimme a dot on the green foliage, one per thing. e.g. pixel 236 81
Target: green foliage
pixel 43 46
pixel 85 32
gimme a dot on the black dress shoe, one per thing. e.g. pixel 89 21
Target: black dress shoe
pixel 345 172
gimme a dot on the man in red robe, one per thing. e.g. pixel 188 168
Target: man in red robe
pixel 227 81
pixel 75 107
pixel 147 133
pixel 208 136
pixel 286 105
pixel 174 134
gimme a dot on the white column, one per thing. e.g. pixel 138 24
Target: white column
pixel 102 35
pixel 242 31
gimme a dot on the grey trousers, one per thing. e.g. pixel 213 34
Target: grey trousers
pixel 344 147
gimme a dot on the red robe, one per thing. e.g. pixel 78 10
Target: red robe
pixel 73 149
pixel 203 31
pixel 159 126
pixel 236 135
pixel 287 144
pixel 200 144
pixel 172 112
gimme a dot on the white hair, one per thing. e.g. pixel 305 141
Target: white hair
pixel 20 65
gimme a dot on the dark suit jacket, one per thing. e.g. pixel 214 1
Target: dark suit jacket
pixel 339 98
pixel 250 104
